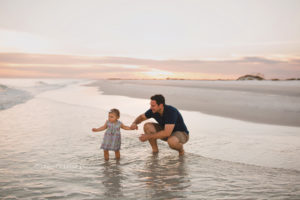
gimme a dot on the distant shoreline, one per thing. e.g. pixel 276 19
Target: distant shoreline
pixel 180 79
pixel 268 102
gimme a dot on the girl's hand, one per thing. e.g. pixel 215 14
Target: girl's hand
pixel 134 126
pixel 94 130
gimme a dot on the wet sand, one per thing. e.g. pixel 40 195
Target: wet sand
pixel 269 102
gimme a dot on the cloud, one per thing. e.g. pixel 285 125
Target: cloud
pixel 24 58
pixel 261 60
pixel 295 61
pixel 77 66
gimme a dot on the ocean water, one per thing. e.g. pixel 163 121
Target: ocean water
pixel 49 152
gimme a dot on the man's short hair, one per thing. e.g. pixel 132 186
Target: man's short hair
pixel 160 99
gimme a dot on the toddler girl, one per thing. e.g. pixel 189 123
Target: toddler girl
pixel 112 136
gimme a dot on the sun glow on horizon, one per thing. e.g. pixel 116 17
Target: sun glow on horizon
pixel 158 74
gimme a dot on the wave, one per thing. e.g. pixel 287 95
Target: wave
pixel 14 93
pixel 3 87
pixel 10 97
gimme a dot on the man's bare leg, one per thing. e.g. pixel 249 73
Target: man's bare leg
pixel 174 143
pixel 150 129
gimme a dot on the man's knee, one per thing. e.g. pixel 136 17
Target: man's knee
pixel 173 142
pixel 149 128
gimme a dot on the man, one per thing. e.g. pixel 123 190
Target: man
pixel 170 126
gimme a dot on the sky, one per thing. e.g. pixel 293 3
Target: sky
pixel 190 39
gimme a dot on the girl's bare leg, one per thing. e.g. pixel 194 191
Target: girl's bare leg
pixel 117 153
pixel 106 155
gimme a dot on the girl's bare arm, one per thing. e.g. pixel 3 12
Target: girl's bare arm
pixel 126 127
pixel 102 128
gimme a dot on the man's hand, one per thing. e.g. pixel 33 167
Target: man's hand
pixel 134 126
pixel 144 137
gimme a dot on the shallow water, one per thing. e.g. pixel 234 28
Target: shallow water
pixel 49 152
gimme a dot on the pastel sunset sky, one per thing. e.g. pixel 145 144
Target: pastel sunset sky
pixel 193 39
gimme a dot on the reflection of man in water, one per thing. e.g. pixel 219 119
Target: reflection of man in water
pixel 170 126
pixel 165 178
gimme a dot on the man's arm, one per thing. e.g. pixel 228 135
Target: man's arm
pixel 138 120
pixel 159 135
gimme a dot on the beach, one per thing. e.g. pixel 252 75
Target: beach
pixel 48 150
pixel 270 102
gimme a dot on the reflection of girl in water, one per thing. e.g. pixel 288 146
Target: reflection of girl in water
pixel 112 136
pixel 112 181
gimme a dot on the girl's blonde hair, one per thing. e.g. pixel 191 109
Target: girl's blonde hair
pixel 115 111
